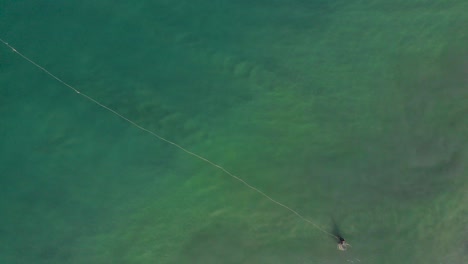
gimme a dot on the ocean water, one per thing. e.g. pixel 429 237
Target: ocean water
pixel 353 113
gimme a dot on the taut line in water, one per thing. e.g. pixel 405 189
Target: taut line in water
pixel 166 140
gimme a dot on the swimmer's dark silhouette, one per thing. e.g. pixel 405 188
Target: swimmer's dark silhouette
pixel 342 245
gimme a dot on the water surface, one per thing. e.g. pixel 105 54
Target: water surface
pixel 353 113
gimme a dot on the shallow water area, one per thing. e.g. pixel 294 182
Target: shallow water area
pixel 352 114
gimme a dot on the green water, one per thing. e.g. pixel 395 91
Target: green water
pixel 346 111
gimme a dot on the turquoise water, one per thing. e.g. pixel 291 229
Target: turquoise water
pixel 351 112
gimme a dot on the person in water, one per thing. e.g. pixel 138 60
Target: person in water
pixel 342 245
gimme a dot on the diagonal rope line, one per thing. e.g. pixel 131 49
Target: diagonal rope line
pixel 166 140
